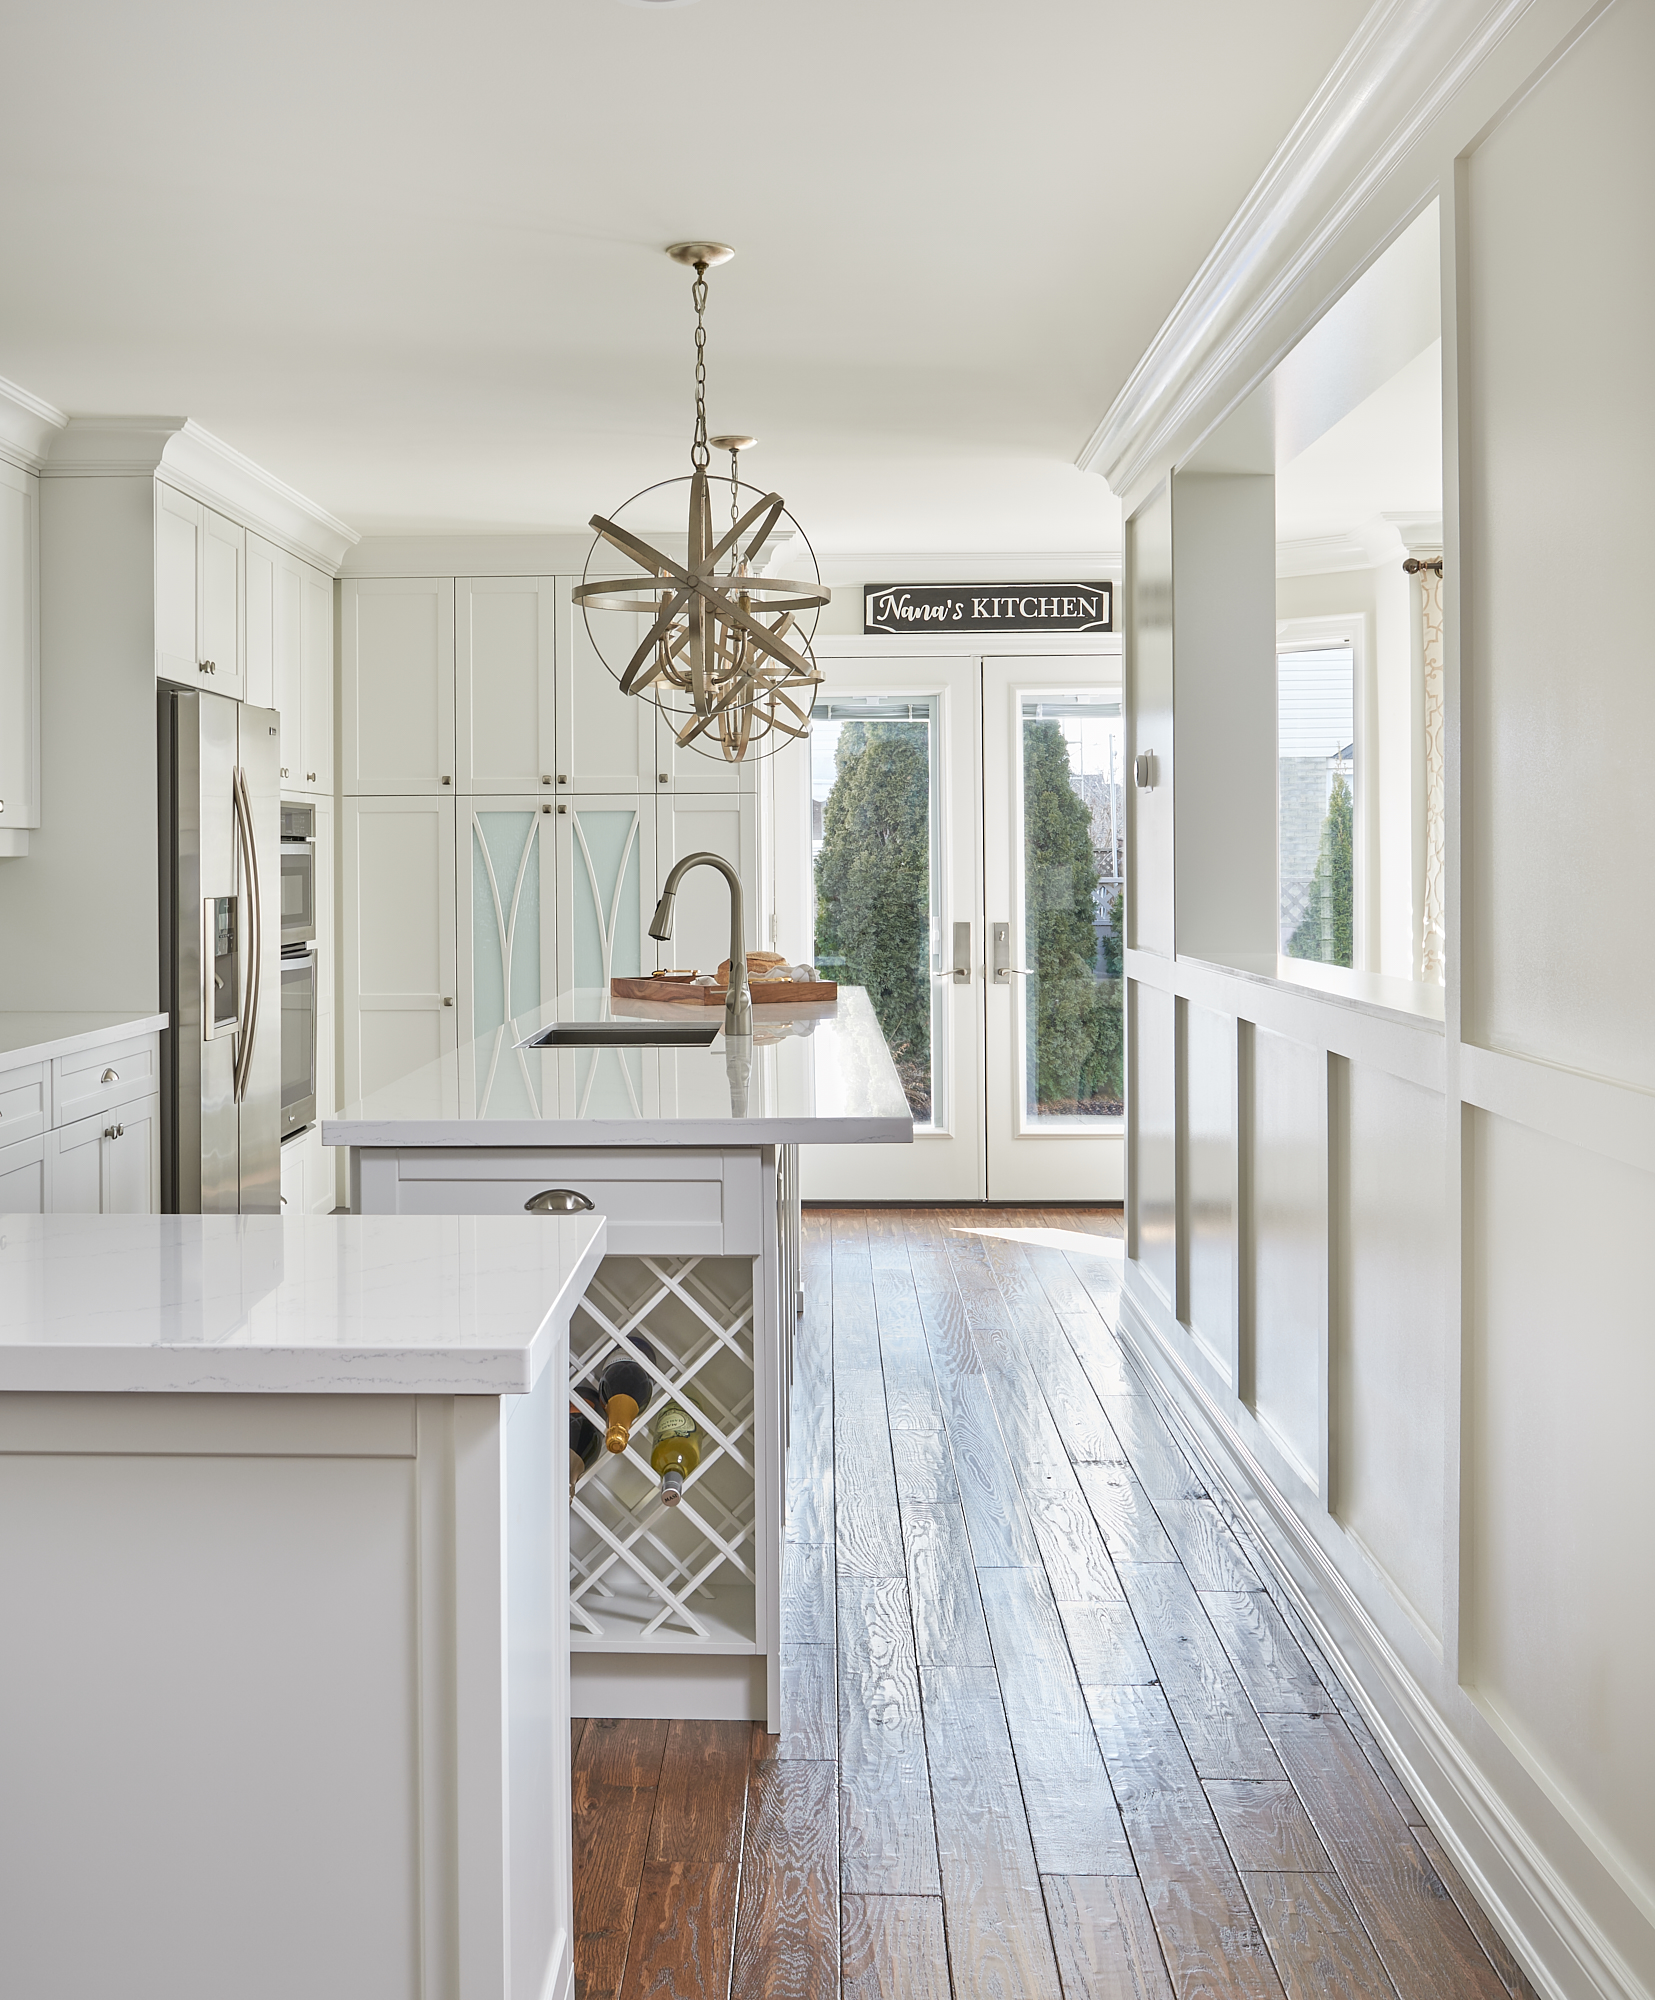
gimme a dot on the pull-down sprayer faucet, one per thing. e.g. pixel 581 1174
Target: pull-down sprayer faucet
pixel 738 1004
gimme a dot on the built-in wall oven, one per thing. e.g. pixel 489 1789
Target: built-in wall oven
pixel 298 848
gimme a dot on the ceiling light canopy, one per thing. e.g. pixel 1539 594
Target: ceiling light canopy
pixel 725 657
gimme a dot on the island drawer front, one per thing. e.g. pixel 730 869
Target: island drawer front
pixel 662 1209
pixel 24 1106
pixel 98 1079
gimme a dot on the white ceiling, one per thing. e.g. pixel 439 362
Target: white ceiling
pixel 408 256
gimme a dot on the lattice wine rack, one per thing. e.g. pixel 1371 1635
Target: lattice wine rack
pixel 644 1577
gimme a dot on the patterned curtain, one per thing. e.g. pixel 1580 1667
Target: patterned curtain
pixel 1432 938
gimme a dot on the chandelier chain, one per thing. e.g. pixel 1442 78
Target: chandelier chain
pixel 699 454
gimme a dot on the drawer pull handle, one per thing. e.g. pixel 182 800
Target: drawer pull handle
pixel 110 1076
pixel 558 1201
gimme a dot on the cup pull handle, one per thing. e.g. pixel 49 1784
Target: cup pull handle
pixel 558 1201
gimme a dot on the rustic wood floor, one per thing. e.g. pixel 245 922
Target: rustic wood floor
pixel 1049 1734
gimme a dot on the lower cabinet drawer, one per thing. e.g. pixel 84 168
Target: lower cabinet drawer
pixel 97 1080
pixel 674 1208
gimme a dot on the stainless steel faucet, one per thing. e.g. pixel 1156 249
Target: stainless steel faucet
pixel 738 1003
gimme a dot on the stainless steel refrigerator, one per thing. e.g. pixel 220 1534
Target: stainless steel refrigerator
pixel 221 1055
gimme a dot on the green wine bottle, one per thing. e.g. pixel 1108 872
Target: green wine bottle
pixel 677 1451
pixel 624 1390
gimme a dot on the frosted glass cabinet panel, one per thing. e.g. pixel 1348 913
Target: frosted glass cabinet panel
pixel 605 889
pixel 396 711
pixel 508 942
pixel 505 684
pixel 399 939
pixel 606 739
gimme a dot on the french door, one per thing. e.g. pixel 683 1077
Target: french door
pixel 950 839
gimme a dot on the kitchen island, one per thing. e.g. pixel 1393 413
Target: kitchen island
pixel 691 1155
pixel 283 1692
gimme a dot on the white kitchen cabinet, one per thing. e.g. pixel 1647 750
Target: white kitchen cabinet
pixel 275 583
pixel 689 770
pixel 606 739
pixel 398 939
pixel 295 1161
pixel 259 651
pixel 109 1164
pixel 396 707
pixel 315 768
pixel 505 684
pixel 200 568
pixel 725 824
pixel 19 657
pixel 506 876
pixel 23 1186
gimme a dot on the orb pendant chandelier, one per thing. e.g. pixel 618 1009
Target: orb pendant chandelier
pixel 726 654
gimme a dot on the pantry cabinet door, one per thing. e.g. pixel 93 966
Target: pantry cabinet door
pixel 505 683
pixel 132 1159
pixel 605 739
pixel 398 936
pixel 313 640
pixel 721 824
pixel 396 708
pixel 219 622
pixel 289 663
pixel 507 879
pixel 177 585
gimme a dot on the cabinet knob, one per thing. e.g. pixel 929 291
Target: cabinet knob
pixel 113 1131
pixel 284 770
pixel 663 778
pixel 562 778
pixel 544 778
pixel 447 1001
pixel 545 809
pixel 448 781
pixel 209 666
pixel 310 777
pixel 110 1076
pixel 563 809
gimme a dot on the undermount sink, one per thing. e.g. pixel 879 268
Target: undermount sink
pixel 626 1035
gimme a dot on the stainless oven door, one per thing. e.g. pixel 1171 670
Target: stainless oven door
pixel 298 892
pixel 298 1040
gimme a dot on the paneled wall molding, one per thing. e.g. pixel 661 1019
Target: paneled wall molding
pixel 1616 1120
pixel 1528 1899
pixel 1362 1030
pixel 206 468
pixel 1404 63
pixel 27 427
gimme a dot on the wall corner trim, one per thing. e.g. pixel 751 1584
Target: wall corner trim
pixel 1403 64
pixel 28 424
pixel 209 470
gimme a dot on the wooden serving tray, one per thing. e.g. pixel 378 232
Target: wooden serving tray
pixel 765 992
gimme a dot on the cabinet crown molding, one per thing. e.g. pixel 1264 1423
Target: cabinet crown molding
pixel 1404 63
pixel 28 424
pixel 208 470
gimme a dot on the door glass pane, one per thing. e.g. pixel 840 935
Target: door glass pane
pixel 1073 859
pixel 873 800
pixel 1316 803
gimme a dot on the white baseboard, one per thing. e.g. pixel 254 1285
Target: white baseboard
pixel 1559 1943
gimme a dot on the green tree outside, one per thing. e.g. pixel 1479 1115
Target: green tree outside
pixel 1074 1025
pixel 873 887
pixel 1326 931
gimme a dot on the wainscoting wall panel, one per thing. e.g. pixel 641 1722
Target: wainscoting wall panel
pixel 1289 1181
pixel 1210 1156
pixel 1389 1359
pixel 1155 1095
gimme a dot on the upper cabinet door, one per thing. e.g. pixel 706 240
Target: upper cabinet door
pixel 691 770
pixel 724 824
pixel 19 650
pixel 259 656
pixel 396 662
pixel 289 675
pixel 315 643
pixel 219 621
pixel 605 739
pixel 505 686
pixel 177 586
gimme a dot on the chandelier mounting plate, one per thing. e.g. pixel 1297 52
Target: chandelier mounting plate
pixel 700 253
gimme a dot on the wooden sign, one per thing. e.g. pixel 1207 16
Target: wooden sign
pixel 988 607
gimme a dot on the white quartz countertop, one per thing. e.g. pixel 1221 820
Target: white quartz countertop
pixel 302 1305
pixel 26 1038
pixel 815 1075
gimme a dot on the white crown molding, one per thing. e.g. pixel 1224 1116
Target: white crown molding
pixel 993 566
pixel 1402 65
pixel 1386 538
pixel 208 470
pixel 27 427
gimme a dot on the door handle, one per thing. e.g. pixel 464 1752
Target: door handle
pixel 558 1201
pixel 1004 970
pixel 960 970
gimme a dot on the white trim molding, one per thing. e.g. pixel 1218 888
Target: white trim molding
pixel 27 427
pixel 1397 72
pixel 208 470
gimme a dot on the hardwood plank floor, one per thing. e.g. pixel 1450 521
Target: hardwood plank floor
pixel 1050 1730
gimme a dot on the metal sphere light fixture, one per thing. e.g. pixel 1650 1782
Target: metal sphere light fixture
pixel 726 656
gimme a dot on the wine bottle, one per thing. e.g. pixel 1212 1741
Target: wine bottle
pixel 677 1451
pixel 585 1439
pixel 624 1389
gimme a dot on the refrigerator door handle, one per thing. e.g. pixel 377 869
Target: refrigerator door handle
pixel 255 911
